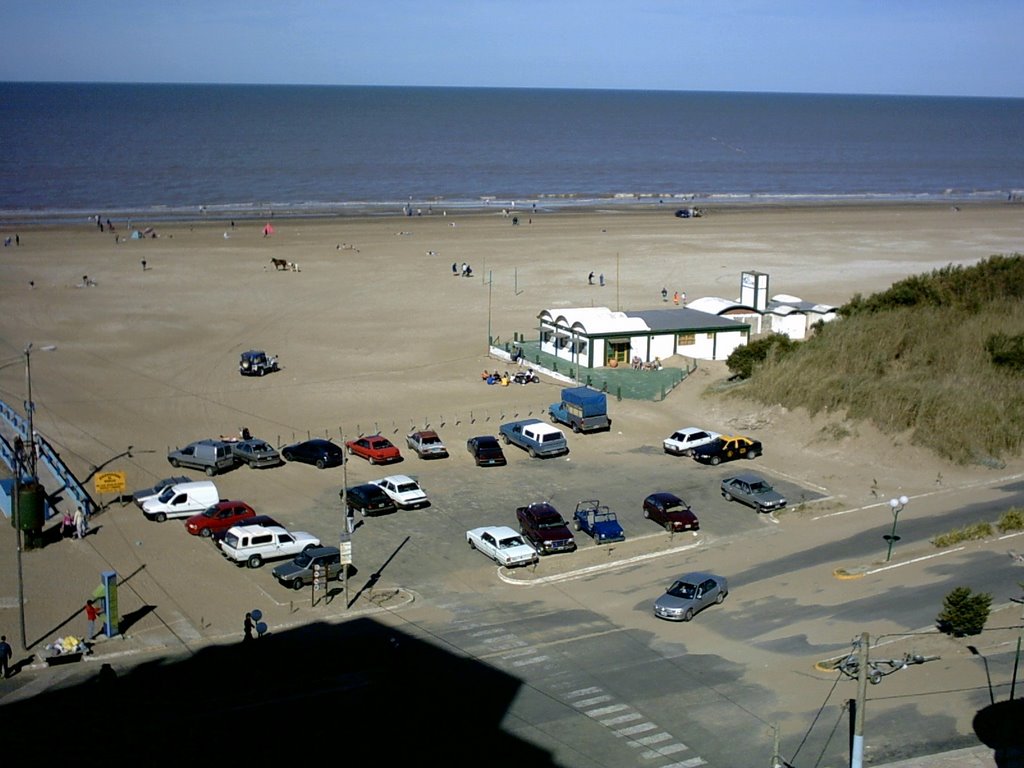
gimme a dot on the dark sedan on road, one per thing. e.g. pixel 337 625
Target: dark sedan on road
pixel 319 453
pixel 727 448
pixel 368 499
pixel 668 510
pixel 689 595
pixel 486 451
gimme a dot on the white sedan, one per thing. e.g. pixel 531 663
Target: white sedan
pixel 403 490
pixel 502 544
pixel 683 441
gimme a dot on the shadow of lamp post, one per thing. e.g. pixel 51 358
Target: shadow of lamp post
pixel 974 650
pixel 897 506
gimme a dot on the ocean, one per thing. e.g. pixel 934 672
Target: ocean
pixel 70 150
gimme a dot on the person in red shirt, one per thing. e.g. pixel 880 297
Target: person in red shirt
pixel 91 614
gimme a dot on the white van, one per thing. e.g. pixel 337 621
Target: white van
pixel 181 500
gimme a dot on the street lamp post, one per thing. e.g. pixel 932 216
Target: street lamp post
pixel 988 677
pixel 897 506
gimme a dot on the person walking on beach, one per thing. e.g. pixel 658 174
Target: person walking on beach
pixel 664 294
pixel 91 614
pixel 5 657
pixel 675 298
pixel 455 269
pixel 600 279
pixel 590 278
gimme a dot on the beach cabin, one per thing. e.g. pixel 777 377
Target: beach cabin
pixel 596 337
pixel 789 315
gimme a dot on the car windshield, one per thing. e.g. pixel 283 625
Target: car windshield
pixel 231 540
pixel 210 512
pixel 511 541
pixel 550 522
pixel 683 590
pixel 431 440
pixel 676 506
pixel 760 487
pixel 302 559
pixel 167 494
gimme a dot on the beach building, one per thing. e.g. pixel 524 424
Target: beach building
pixel 597 337
pixel 782 313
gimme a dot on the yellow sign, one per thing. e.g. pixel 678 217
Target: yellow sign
pixel 110 482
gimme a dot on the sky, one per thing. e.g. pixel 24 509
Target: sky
pixel 919 47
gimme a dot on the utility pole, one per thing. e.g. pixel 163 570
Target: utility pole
pixel 857 756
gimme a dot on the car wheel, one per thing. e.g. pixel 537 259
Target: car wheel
pixel 533 454
pixel 647 514
pixel 298 584
pixel 262 371
pixel 210 471
pixel 320 464
pixel 205 533
pixel 309 547
pixel 252 465
pixel 688 453
pixel 174 463
pixel 254 561
pixel 721 597
pixel 727 496
pixel 576 525
pixel 715 461
pixel 506 440
pixel 668 527
pixel 688 615
pixel 471 544
pixel 576 428
pixel 160 517
pixel 362 512
pixel 751 454
pixel 371 459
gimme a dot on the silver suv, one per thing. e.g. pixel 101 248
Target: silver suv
pixel 211 456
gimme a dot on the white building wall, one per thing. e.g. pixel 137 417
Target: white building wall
pixel 711 346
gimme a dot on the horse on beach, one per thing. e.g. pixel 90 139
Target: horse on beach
pixel 280 264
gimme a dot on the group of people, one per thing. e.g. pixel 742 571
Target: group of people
pixel 496 378
pixel 74 525
pixel 639 365
pixel 467 271
pixel 677 297
pixel 590 278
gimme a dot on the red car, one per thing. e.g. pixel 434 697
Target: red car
pixel 669 510
pixel 376 449
pixel 218 518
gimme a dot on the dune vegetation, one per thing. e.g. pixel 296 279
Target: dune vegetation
pixel 939 357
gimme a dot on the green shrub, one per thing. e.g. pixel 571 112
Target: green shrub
pixel 964 612
pixel 967 533
pixel 1006 351
pixel 743 360
pixel 1012 520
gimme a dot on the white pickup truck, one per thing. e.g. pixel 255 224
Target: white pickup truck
pixel 251 545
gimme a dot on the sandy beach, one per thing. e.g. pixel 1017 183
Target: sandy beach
pixel 374 331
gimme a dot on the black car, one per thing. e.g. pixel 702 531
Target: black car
pixel 728 448
pixel 368 499
pixel 486 451
pixel 320 453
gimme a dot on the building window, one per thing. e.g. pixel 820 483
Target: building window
pixel 687 339
pixel 618 351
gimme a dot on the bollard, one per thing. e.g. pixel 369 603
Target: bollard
pixel 618 393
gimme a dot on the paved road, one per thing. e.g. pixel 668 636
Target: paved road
pixel 597 680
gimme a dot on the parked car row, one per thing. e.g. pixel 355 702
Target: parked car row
pixel 241 535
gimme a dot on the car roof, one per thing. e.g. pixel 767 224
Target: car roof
pixel 664 496
pixel 314 551
pixel 747 477
pixel 691 430
pixel 398 479
pixel 366 488
pixel 498 531
pixel 243 529
pixel 698 576
pixel 484 439
pixel 543 506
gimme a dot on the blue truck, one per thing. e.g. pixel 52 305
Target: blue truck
pixel 598 522
pixel 535 437
pixel 582 409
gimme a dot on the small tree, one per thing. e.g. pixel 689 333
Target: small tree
pixel 964 612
